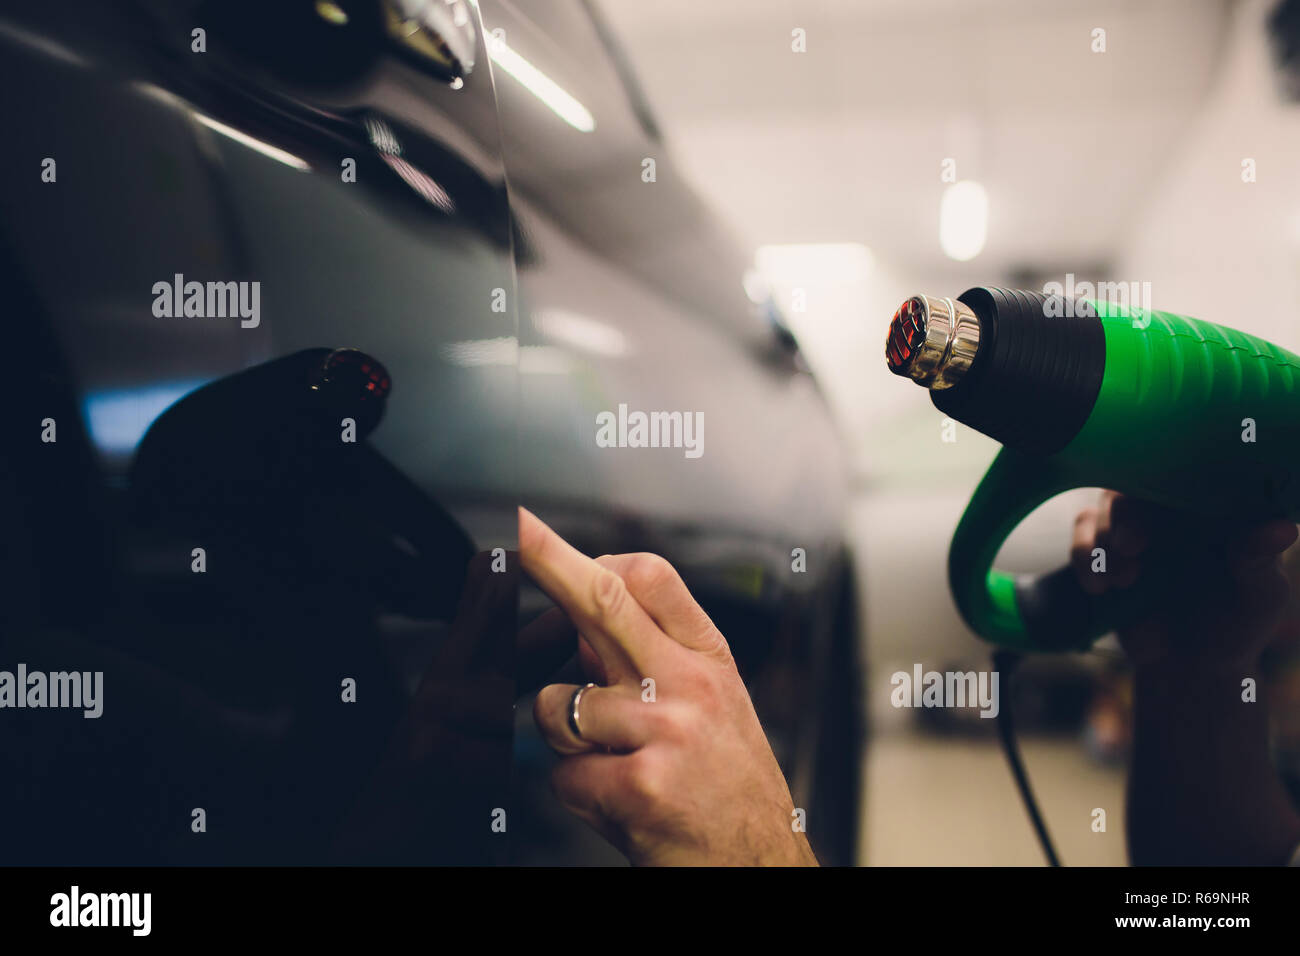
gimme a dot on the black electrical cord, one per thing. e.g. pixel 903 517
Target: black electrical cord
pixel 1005 663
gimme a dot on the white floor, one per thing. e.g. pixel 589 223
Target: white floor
pixel 952 802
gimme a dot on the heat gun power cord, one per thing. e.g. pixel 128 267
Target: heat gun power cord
pixel 1005 663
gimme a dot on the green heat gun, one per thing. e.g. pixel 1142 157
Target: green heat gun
pixel 1088 393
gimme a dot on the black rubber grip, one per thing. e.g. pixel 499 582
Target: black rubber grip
pixel 1036 375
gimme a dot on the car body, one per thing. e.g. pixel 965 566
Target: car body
pixel 279 611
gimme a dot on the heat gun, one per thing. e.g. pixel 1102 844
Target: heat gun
pixel 1089 393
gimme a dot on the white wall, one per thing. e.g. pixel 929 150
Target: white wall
pixel 1211 245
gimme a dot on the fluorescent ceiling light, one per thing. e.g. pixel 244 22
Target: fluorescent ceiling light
pixel 541 86
pixel 963 220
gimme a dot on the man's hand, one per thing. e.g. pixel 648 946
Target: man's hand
pixel 672 765
pixel 1202 788
pixel 1226 618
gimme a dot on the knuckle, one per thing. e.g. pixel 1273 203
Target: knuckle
pixel 649 572
pixel 643 780
pixel 704 682
pixel 548 710
pixel 716 644
pixel 608 593
pixel 669 723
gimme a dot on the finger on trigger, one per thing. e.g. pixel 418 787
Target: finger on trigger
pixel 1103 518
pixel 1129 526
pixel 1081 548
pixel 1116 566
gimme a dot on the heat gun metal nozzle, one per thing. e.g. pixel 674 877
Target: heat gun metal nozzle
pixel 932 341
pixel 996 361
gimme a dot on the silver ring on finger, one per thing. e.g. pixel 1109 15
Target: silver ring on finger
pixel 574 702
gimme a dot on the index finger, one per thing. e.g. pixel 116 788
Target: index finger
pixel 597 599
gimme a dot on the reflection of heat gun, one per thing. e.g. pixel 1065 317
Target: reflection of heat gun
pixel 1173 410
pixel 276 458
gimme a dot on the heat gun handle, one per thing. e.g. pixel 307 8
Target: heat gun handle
pixel 1059 615
pixel 1047 612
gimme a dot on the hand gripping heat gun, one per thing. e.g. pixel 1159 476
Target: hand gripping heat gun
pixel 1083 393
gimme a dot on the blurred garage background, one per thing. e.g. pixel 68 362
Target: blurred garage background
pixel 1120 164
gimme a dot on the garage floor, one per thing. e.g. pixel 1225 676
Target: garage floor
pixel 952 802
